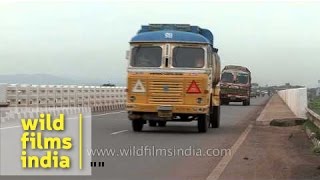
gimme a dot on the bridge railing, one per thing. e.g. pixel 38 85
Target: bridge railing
pixel 99 98
pixel 313 117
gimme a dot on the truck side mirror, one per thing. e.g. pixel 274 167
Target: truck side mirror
pixel 127 55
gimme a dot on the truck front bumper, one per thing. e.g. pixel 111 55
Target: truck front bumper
pixel 233 98
pixel 183 109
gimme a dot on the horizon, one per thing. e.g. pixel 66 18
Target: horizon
pixel 101 82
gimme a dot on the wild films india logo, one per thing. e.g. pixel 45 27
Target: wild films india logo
pixel 46 141
pixel 33 137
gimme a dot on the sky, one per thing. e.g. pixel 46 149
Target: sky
pixel 278 42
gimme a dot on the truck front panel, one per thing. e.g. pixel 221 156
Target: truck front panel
pixel 168 90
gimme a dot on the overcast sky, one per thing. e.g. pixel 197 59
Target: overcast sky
pixel 279 42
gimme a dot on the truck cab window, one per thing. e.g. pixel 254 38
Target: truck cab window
pixel 146 56
pixel 227 77
pixel 242 78
pixel 188 57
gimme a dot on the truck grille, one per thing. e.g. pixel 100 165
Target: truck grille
pixel 234 91
pixel 166 91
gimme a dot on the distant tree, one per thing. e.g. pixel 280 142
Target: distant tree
pixel 109 85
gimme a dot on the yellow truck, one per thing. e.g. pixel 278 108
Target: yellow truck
pixel 173 75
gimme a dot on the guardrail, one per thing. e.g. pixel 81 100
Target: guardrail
pixel 313 117
pixel 296 99
pixel 313 135
pixel 99 98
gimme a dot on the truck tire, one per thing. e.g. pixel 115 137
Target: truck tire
pixel 246 102
pixel 225 102
pixel 162 123
pixel 215 117
pixel 203 123
pixel 152 123
pixel 137 125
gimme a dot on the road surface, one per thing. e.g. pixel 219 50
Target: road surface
pixel 113 131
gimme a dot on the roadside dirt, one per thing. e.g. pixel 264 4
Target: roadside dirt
pixel 274 153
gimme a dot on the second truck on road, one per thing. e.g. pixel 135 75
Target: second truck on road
pixel 235 85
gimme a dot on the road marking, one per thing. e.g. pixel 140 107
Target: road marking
pixel 117 112
pixel 9 127
pixel 118 132
pixel 218 170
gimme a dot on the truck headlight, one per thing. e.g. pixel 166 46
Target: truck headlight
pixel 199 100
pixel 132 98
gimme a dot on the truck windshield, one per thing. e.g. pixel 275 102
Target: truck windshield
pixel 227 77
pixel 146 56
pixel 242 78
pixel 188 57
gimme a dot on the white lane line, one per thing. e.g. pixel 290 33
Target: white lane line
pixel 218 170
pixel 118 112
pixel 9 127
pixel 118 132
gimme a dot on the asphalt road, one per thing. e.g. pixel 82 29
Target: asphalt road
pixel 113 131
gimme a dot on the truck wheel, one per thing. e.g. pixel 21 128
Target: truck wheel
pixel 152 123
pixel 215 117
pixel 246 103
pixel 137 125
pixel 162 123
pixel 225 102
pixel 203 123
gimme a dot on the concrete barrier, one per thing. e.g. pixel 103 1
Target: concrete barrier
pixel 296 99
